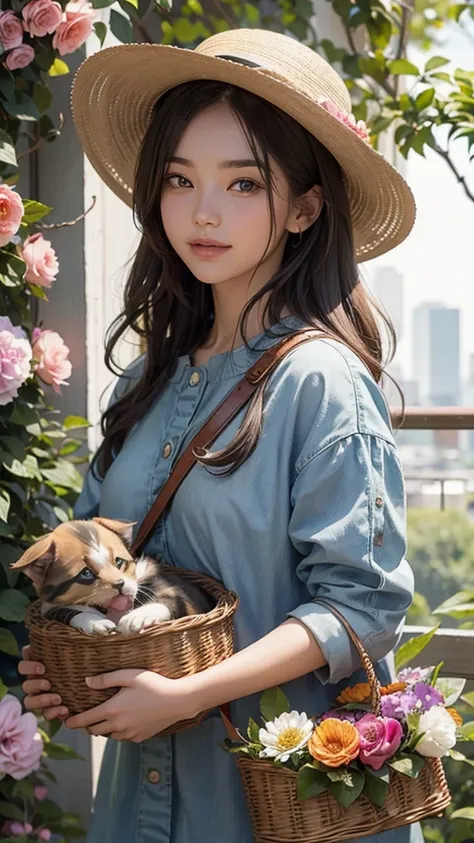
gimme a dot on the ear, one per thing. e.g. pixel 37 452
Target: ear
pixel 124 529
pixel 305 211
pixel 37 559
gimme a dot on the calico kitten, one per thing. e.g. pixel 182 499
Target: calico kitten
pixel 85 576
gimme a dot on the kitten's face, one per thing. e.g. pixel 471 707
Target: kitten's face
pixel 84 563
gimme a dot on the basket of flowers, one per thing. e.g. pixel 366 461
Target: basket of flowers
pixel 371 763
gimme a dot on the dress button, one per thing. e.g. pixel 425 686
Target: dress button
pixel 194 379
pixel 153 776
pixel 378 502
pixel 167 448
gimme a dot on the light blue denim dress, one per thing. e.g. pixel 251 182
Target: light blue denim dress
pixel 317 510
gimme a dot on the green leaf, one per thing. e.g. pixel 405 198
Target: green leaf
pixel 435 675
pixel 3 692
pixel 7 83
pixel 469 698
pixel 251 13
pixel 451 689
pixel 27 468
pixel 273 703
pixel 7 149
pixel 463 814
pixel 377 784
pixel 467 731
pixel 133 3
pixel 121 27
pixel 344 793
pixel 43 97
pixel 34 211
pixel 4 505
pixel 403 67
pixel 58 68
pixel 458 756
pixel 11 812
pixel 435 62
pixel 8 642
pixel 24 414
pixel 13 605
pixel 22 107
pixel 73 422
pixel 424 99
pixel 408 765
pixel 60 751
pixel 63 475
pixel 100 30
pixel 413 647
pixel 253 731
pixel 310 783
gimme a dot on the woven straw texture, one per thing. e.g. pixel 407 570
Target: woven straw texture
pixel 115 90
pixel 278 817
pixel 174 648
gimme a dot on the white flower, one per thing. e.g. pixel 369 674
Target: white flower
pixel 286 734
pixel 439 731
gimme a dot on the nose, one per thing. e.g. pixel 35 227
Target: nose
pixel 206 213
pixel 119 584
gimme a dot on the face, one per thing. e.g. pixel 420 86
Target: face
pixel 215 207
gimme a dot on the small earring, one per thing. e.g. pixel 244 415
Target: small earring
pixel 296 245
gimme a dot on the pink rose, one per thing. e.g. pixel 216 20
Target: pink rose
pixel 11 212
pixel 11 30
pixel 75 27
pixel 20 742
pixel 13 829
pixel 49 350
pixel 41 792
pixel 21 57
pixel 41 17
pixel 40 258
pixel 15 359
pixel 380 738
pixel 44 834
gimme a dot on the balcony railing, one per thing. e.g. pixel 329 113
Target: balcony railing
pixel 434 418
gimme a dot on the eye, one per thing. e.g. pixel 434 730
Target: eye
pixel 119 562
pixel 178 181
pixel 245 186
pixel 86 576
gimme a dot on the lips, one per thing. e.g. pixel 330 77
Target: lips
pixel 205 248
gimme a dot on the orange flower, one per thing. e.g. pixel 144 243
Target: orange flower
pixel 334 742
pixel 455 715
pixel 393 688
pixel 357 694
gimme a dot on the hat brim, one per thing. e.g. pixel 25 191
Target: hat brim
pixel 114 92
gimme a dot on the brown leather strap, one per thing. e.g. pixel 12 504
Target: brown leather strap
pixel 215 424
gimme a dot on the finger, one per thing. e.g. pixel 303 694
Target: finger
pixel 90 717
pixel 56 713
pixel 115 679
pixel 40 701
pixel 103 728
pixel 35 686
pixel 25 651
pixel 27 668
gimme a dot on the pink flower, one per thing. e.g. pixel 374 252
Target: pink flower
pixel 20 742
pixel 15 359
pixel 75 27
pixel 41 261
pixel 21 57
pixel 380 738
pixel 11 30
pixel 349 120
pixel 41 792
pixel 49 350
pixel 11 213
pixel 41 17
pixel 44 834
pixel 13 829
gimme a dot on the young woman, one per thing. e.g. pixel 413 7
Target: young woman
pixel 255 193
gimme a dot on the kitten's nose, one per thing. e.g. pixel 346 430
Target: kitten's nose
pixel 119 584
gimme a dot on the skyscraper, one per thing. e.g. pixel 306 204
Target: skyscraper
pixel 436 354
pixel 387 287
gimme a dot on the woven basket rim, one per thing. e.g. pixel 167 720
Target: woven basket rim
pixel 226 605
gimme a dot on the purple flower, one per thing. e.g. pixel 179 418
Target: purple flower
pixel 343 714
pixel 410 675
pixel 399 704
pixel 427 696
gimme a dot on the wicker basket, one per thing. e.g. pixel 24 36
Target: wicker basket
pixel 173 648
pixel 278 816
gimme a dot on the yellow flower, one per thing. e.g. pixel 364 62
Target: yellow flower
pixel 334 742
pixel 455 715
pixel 357 694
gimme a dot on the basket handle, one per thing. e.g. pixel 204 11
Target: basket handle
pixel 375 696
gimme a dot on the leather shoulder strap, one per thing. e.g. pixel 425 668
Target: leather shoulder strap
pixel 215 424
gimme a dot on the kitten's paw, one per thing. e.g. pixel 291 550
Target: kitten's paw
pixel 92 624
pixel 143 618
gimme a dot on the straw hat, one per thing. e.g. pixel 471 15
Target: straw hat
pixel 114 92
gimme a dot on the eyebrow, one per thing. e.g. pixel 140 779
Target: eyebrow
pixel 224 165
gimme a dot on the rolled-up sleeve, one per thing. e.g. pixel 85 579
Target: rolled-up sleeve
pixel 348 524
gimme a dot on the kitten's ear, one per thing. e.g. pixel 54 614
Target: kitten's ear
pixel 37 559
pixel 124 529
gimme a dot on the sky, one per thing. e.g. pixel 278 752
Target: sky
pixel 437 259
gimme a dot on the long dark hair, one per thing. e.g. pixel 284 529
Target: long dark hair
pixel 172 311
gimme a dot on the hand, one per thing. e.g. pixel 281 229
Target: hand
pixel 147 704
pixel 49 704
